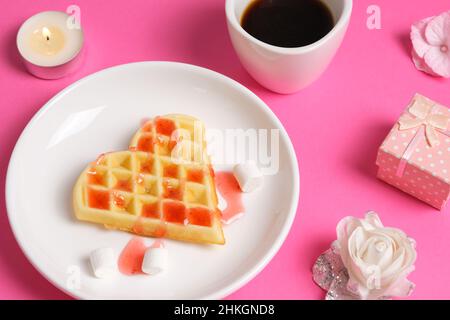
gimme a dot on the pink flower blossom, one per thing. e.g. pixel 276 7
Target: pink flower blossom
pixel 431 45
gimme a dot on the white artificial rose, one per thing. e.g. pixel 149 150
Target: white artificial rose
pixel 378 259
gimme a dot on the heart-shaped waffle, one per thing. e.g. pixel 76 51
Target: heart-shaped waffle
pixel 163 186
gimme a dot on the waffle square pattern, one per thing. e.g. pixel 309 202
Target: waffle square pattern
pixel 163 186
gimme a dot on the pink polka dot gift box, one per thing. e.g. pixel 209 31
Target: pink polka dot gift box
pixel 415 156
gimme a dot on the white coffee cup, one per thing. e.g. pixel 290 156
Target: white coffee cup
pixel 286 70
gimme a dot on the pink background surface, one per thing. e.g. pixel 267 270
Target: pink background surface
pixel 336 126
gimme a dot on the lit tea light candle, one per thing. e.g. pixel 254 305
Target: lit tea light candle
pixel 51 47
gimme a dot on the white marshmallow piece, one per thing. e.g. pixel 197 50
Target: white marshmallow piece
pixel 103 263
pixel 248 176
pixel 155 260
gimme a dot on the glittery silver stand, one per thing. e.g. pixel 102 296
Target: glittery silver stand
pixel 331 275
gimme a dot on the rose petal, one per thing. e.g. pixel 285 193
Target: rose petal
pixel 435 30
pixel 403 289
pixel 396 265
pixel 356 239
pixel 438 61
pixel 343 229
pixel 401 286
pixel 411 253
pixel 358 289
pixel 355 243
pixel 375 256
pixel 349 256
pixel 373 219
pixel 412 242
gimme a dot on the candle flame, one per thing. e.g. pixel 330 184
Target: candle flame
pixel 46 33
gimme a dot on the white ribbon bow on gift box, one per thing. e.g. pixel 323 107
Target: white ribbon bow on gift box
pixel 429 123
pixel 424 114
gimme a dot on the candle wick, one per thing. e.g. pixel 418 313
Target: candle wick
pixel 48 38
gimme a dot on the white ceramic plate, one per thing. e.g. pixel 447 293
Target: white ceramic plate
pixel 100 113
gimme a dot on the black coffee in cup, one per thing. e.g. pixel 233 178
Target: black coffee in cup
pixel 287 23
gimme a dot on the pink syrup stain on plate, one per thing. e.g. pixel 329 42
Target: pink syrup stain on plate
pixel 158 244
pixel 131 257
pixel 229 189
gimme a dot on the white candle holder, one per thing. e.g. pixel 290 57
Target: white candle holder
pixel 50 46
